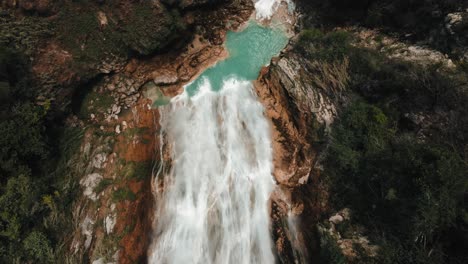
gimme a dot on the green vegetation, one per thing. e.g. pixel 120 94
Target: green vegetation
pixel 37 150
pixel 329 47
pixel 23 34
pixel 147 32
pixel 95 102
pixel 330 252
pixel 137 170
pixel 103 185
pixel 35 191
pixel 408 190
pixel 123 194
pixel 419 17
pixel 143 29
pixel 131 133
pixel 410 193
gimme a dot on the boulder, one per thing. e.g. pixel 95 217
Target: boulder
pixel 457 23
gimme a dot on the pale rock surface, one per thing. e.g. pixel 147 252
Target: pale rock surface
pixel 90 182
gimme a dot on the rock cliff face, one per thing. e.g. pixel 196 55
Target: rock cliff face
pixel 113 216
pixel 93 62
pixel 106 36
pixel 302 107
pixel 301 100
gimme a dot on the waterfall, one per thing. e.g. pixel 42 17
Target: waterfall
pixel 213 207
pixel 213 200
pixel 266 8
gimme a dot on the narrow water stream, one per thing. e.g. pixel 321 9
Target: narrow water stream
pixel 214 204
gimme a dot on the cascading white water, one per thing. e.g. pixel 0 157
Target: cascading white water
pixel 214 204
pixel 213 201
pixel 266 8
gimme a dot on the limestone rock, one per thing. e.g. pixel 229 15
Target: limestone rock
pixel 102 19
pixel 99 161
pixel 456 23
pixel 109 223
pixel 90 182
pixel 87 229
pixel 348 242
pixel 295 99
pixel 336 219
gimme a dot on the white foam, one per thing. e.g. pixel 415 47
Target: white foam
pixel 266 8
pixel 214 206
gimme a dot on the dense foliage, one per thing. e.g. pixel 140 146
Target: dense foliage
pixel 31 195
pixel 114 31
pixel 413 20
pixel 406 186
pixel 415 16
pixel 37 181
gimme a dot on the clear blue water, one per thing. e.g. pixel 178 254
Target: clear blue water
pixel 249 50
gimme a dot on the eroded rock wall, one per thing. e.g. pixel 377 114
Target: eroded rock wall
pixel 301 98
pixel 114 212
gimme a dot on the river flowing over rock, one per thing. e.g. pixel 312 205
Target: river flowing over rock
pixel 213 204
pixel 213 200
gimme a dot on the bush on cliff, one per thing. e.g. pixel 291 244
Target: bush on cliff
pixel 416 16
pixel 28 169
pixel 408 192
pixel 93 34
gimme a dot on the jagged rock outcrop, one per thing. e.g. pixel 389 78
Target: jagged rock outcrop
pixel 456 24
pixel 301 98
pixel 114 214
pixel 337 230
pixel 107 37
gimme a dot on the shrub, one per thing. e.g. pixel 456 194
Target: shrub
pixel 330 252
pixel 123 194
pixel 374 170
pixel 37 247
pixel 321 46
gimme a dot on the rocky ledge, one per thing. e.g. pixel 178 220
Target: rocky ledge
pixel 114 214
